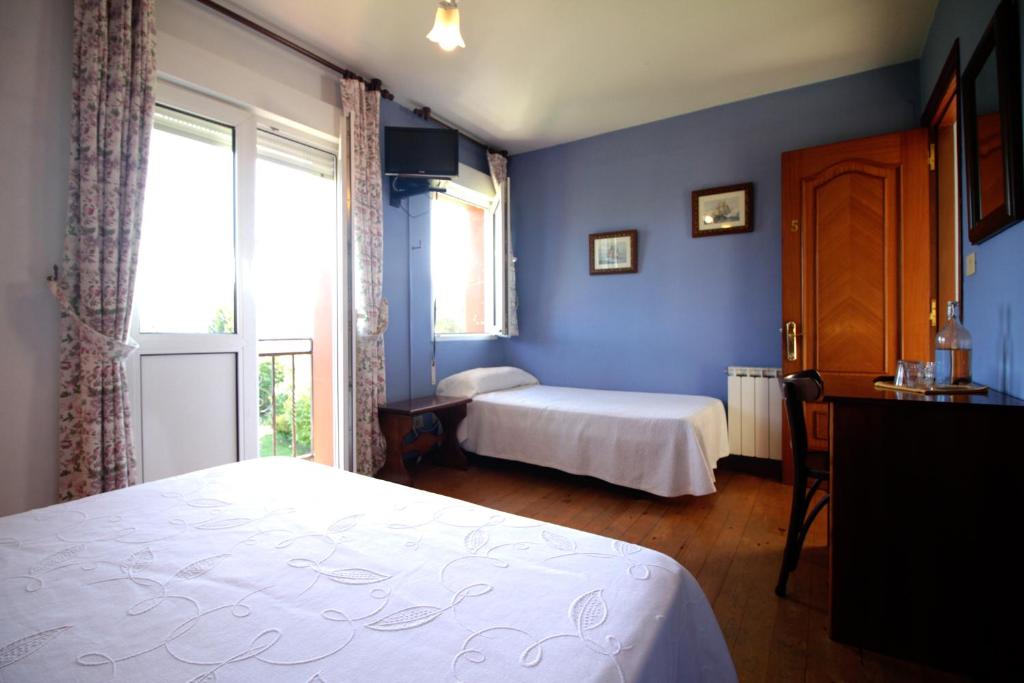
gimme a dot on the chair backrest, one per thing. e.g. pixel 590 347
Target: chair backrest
pixel 797 389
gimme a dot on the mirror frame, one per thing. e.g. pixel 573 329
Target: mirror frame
pixel 946 91
pixel 1001 41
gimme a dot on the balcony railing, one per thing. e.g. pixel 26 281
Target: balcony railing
pixel 286 397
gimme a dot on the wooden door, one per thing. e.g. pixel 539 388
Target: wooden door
pixel 856 263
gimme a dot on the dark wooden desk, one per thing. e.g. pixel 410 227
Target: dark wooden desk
pixel 396 421
pixel 925 523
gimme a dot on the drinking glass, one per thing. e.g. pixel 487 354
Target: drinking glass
pixel 913 374
pixel 927 378
pixel 901 373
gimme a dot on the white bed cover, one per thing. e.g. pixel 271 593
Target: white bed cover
pixel 666 444
pixel 282 570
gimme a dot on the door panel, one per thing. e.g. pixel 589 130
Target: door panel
pixel 850 252
pixel 857 277
pixel 189 413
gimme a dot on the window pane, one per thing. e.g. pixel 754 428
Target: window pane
pixel 296 210
pixel 457 265
pixel 186 276
pixel 296 225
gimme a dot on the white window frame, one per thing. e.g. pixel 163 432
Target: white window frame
pixel 246 120
pixel 471 190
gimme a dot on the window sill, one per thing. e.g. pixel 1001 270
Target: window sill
pixel 466 337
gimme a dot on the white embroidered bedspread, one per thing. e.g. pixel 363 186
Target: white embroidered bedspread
pixel 282 570
pixel 666 444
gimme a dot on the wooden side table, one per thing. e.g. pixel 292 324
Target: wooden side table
pixel 396 421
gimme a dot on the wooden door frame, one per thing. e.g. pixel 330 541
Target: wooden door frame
pixel 946 92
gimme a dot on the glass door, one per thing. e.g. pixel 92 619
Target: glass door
pixel 237 292
pixel 189 381
pixel 294 279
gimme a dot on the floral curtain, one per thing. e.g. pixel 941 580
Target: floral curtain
pixel 498 164
pixel 113 76
pixel 360 108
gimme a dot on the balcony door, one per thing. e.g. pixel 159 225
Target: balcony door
pixel 294 275
pixel 236 291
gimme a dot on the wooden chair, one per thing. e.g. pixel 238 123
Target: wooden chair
pixel 797 389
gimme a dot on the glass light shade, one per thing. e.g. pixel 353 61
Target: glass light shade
pixel 446 31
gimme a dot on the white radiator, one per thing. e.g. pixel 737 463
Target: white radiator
pixel 755 412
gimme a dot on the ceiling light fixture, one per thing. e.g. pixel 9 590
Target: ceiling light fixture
pixel 446 31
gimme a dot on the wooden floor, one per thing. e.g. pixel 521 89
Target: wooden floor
pixel 730 541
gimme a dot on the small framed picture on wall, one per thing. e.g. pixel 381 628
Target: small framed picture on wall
pixel 723 210
pixel 613 252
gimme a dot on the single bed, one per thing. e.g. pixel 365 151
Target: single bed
pixel 283 570
pixel 666 444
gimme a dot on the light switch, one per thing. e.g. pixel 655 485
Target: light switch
pixel 970 264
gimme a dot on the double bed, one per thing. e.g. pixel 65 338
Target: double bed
pixel 284 570
pixel 665 444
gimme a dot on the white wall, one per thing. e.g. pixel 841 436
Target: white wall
pixel 201 48
pixel 195 46
pixel 35 101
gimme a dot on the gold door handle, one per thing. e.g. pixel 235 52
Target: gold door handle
pixel 791 347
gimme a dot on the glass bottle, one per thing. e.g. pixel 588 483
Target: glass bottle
pixel 953 349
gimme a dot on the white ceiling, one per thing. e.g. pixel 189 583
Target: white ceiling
pixel 541 72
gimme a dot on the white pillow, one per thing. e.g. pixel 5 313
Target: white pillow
pixel 469 383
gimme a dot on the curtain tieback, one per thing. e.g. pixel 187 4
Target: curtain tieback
pixel 93 340
pixel 382 318
pixel 378 330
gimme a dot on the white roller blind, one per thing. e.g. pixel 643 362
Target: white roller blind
pixel 296 155
pixel 200 129
pixel 472 186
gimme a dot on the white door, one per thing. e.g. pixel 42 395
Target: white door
pixel 239 286
pixel 192 379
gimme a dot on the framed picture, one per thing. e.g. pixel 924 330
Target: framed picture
pixel 723 210
pixel 613 252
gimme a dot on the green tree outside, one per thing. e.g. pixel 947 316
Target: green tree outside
pixel 276 392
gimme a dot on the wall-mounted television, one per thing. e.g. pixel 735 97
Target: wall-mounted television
pixel 421 152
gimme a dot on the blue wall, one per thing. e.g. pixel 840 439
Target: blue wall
pixel 696 305
pixel 407 285
pixel 994 295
